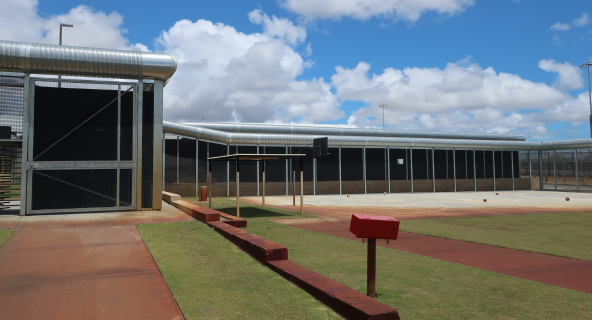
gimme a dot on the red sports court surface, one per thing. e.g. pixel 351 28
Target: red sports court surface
pixel 83 266
pixel 563 272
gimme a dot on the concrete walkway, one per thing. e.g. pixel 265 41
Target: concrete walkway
pixel 83 266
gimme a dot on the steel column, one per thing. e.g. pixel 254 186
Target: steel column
pixel 339 170
pixel 287 174
pixel 157 134
pixel 411 166
pixel 555 168
pixel 529 170
pixel 388 167
pixel 493 157
pixel 139 117
pixel 314 176
pixel 541 180
pixel 512 160
pixel 577 172
pixel 454 167
pixel 364 168
pixel 475 170
pixel 433 171
pixel 27 118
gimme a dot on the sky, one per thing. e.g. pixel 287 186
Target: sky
pixel 505 66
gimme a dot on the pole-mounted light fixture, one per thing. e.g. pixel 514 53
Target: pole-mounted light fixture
pixel 383 106
pixel 589 92
pixel 67 25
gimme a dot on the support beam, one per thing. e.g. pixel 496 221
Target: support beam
pixel 339 170
pixel 512 160
pixel 287 174
pixel 411 166
pixel 454 167
pixel 263 189
pixel 257 173
pixel 555 168
pixel 314 176
pixel 577 172
pixel 474 170
pixel 178 158
pixel 197 168
pixel 388 167
pixel 529 169
pixel 541 173
pixel 301 187
pixel 158 146
pixel 364 167
pixel 493 157
pixel 227 172
pixel 209 183
pixel 433 171
pixel 237 188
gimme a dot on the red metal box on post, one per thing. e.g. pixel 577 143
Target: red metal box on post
pixel 377 227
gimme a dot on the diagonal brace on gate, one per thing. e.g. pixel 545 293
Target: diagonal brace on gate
pixel 82 123
pixel 82 188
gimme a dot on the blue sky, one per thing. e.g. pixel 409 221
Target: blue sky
pixel 452 65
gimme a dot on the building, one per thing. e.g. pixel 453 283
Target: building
pixel 371 160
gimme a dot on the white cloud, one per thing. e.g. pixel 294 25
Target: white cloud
pixel 460 97
pixel 278 27
pixel 19 21
pixel 568 75
pixel 578 22
pixel 409 10
pixel 226 75
pixel 581 21
pixel 561 26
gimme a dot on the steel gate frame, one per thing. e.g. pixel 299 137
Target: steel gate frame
pixel 29 166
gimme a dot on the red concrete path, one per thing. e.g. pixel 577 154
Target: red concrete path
pixel 558 271
pixel 83 267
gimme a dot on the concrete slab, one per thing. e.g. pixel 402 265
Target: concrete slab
pixel 428 205
pixel 83 266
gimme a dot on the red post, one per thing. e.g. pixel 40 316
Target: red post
pixel 371 267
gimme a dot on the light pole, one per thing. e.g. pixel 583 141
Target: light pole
pixel 67 26
pixel 383 106
pixel 589 92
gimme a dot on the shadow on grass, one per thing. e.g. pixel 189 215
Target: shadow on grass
pixel 252 212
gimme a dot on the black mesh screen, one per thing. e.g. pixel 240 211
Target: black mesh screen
pixel 170 160
pixel 517 164
pixel 498 164
pixel 488 164
pixel 461 169
pixel 187 161
pixel 275 171
pixel 375 164
pixel 441 163
pixel 399 171
pixel 125 187
pixel 75 124
pixel 202 155
pixel 127 126
pixel 11 104
pixel 420 164
pixel 307 164
pixel 507 164
pixel 70 189
pixel 248 169
pixel 147 148
pixel 351 164
pixel 470 164
pixel 218 168
pixel 232 165
pixel 480 164
pixel 328 168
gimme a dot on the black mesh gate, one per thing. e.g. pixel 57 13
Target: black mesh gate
pixel 81 146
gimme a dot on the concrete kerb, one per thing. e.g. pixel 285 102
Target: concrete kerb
pixel 347 302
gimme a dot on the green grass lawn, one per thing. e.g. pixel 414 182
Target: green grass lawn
pixel 211 278
pixel 419 287
pixel 561 234
pixel 4 235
